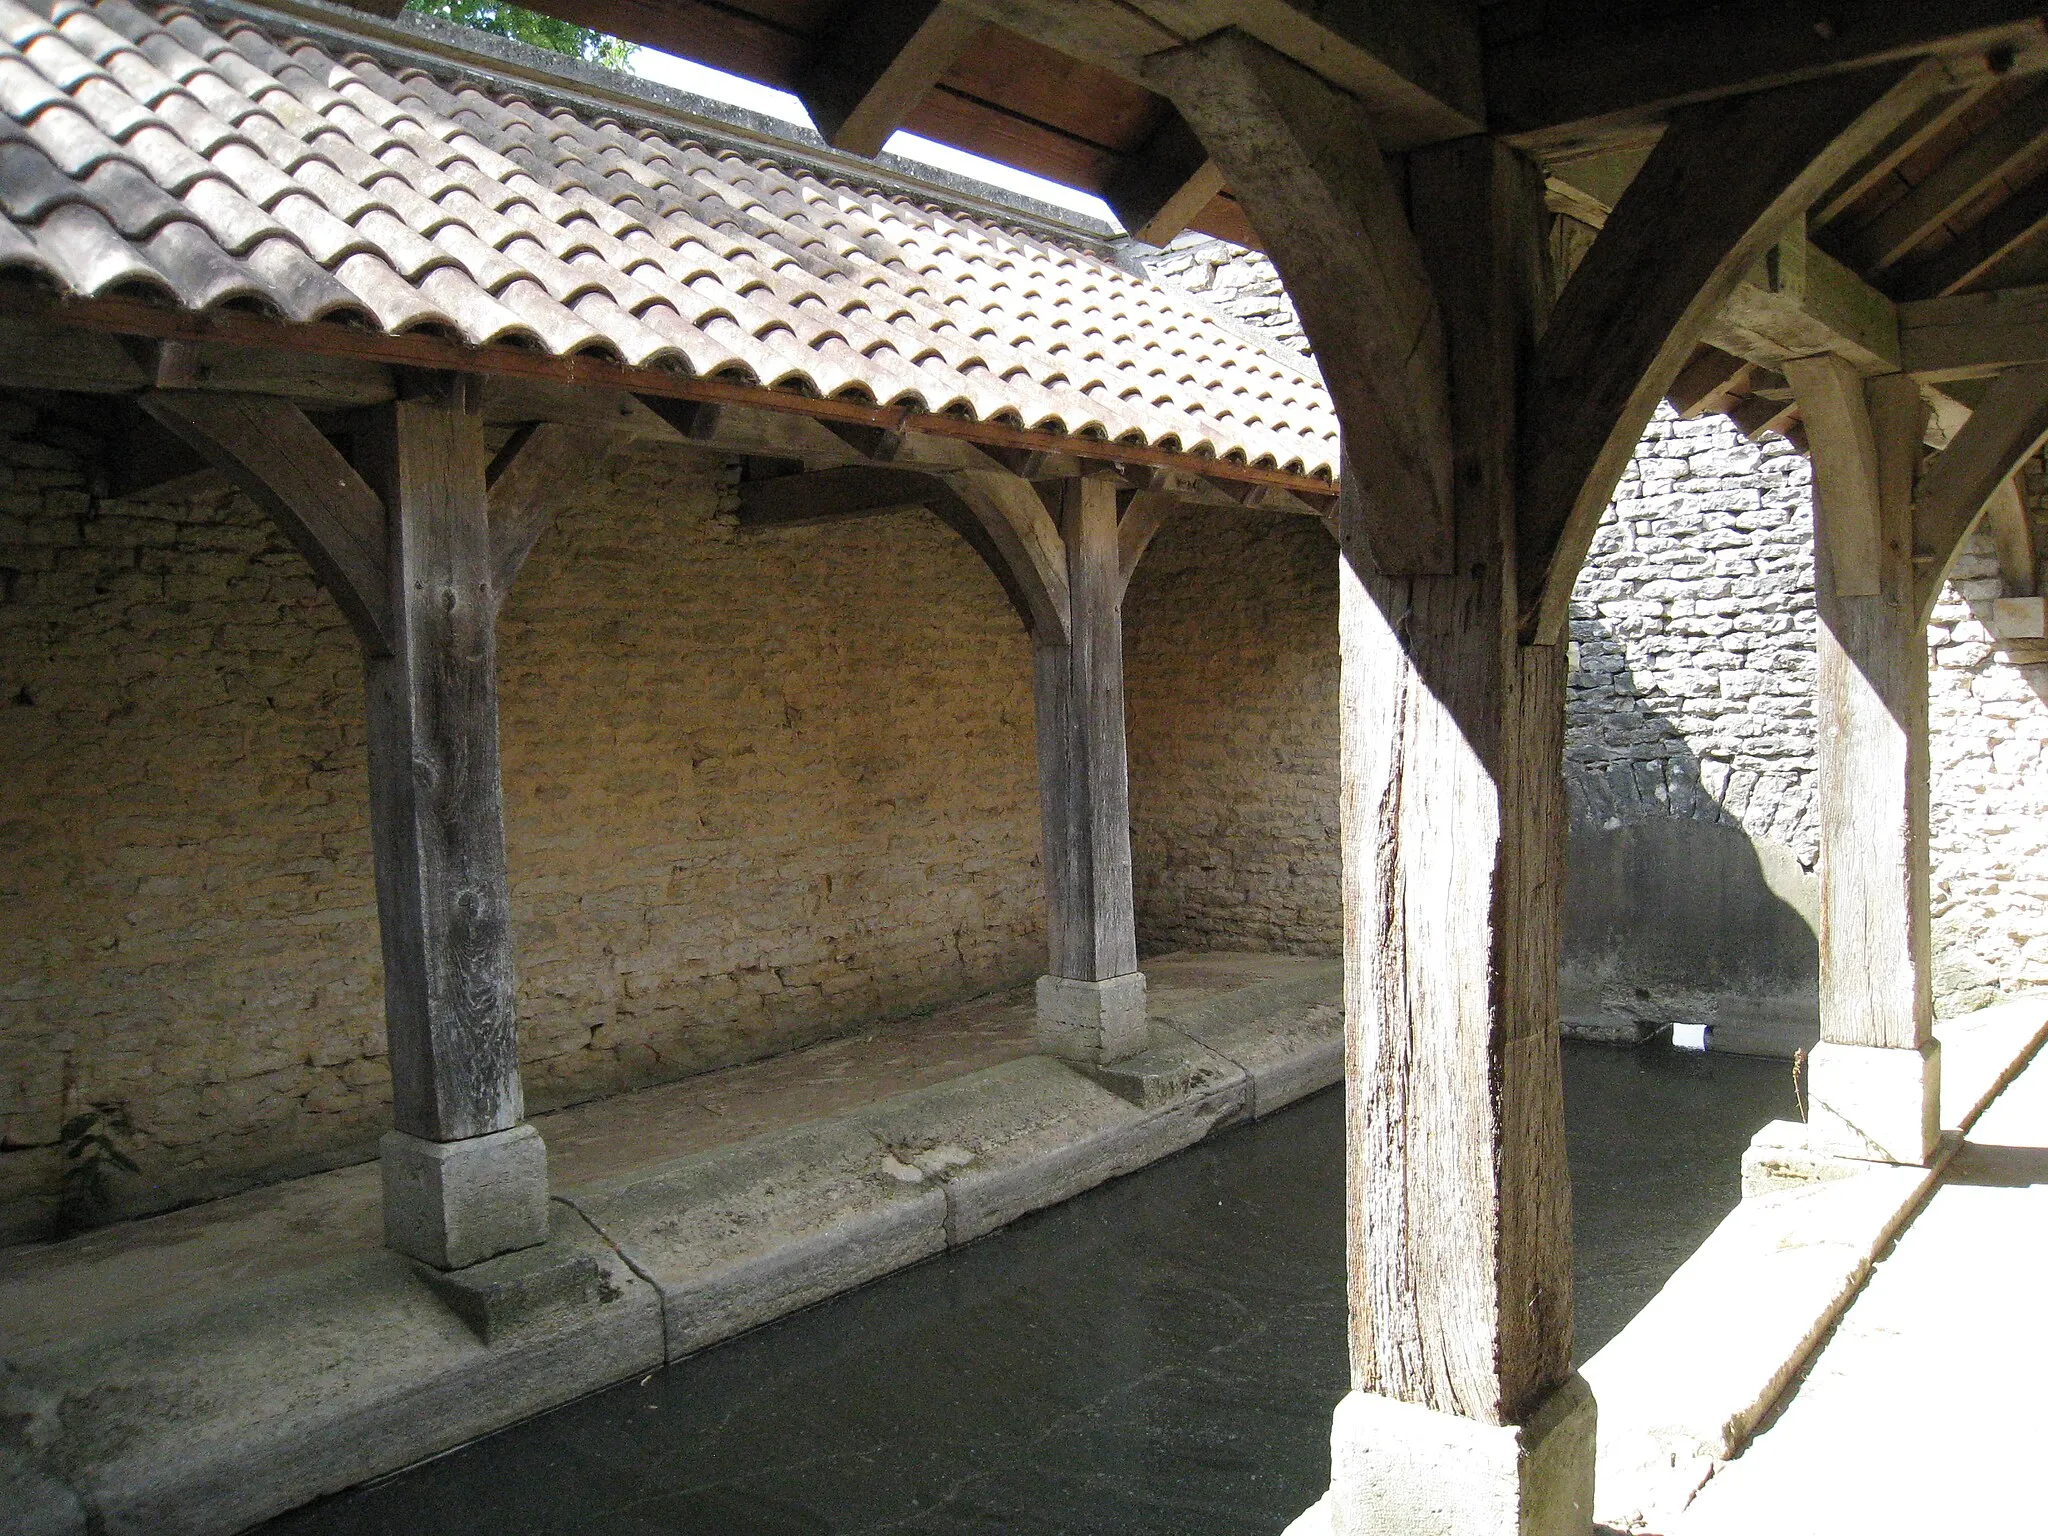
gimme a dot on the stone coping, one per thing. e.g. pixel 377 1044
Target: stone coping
pixel 264 1392
pixel 1686 1383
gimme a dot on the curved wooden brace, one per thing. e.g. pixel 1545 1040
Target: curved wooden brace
pixel 329 512
pixel 1716 193
pixel 2012 535
pixel 2009 423
pixel 1303 160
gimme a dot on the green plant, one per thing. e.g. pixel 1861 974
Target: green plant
pixel 90 1157
pixel 524 26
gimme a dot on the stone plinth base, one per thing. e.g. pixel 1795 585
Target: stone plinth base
pixel 455 1203
pixel 1400 1470
pixel 1877 1103
pixel 1092 1021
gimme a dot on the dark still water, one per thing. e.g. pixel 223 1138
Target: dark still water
pixel 1156 1358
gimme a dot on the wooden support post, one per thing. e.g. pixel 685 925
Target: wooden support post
pixel 1876 1074
pixel 1091 1004
pixel 1466 1417
pixel 402 539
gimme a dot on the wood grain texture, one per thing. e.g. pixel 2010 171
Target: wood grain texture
pixel 1453 833
pixel 437 811
pixel 1719 189
pixel 549 465
pixel 2012 535
pixel 274 452
pixel 1847 532
pixel 1084 789
pixel 1303 162
pixel 868 73
pixel 1871 699
pixel 2009 424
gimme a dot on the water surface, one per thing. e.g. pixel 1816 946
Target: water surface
pixel 1158 1357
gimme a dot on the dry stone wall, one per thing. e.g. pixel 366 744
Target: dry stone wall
pixel 758 789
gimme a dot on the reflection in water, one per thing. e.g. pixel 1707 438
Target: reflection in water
pixel 1158 1356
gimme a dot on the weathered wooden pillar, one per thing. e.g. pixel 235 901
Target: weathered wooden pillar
pixel 403 539
pixel 463 1178
pixel 1454 836
pixel 1091 1003
pixel 1422 294
pixel 1875 1077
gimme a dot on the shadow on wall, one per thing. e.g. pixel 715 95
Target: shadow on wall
pixel 1673 912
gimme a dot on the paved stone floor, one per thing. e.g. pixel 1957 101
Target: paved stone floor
pixel 63 1290
pixel 1925 1412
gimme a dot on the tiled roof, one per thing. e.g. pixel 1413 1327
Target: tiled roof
pixel 208 163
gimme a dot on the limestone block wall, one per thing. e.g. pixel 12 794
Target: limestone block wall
pixel 758 789
pixel 1230 662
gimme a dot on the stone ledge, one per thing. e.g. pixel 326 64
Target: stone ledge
pixel 206 1419
pixel 1684 1385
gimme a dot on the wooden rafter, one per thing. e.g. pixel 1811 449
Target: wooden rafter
pixel 1159 191
pixel 871 69
pixel 1975 254
pixel 2009 147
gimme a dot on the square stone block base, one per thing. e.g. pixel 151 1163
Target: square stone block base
pixel 1400 1470
pixel 1092 1021
pixel 456 1203
pixel 1877 1103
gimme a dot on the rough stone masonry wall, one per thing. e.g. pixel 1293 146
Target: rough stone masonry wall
pixel 1690 754
pixel 757 789
pixel 1230 665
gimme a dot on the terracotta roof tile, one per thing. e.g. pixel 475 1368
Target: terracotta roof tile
pixel 156 149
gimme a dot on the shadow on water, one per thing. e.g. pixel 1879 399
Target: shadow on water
pixel 1158 1356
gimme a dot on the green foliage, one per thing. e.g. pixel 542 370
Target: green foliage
pixel 522 25
pixel 90 1157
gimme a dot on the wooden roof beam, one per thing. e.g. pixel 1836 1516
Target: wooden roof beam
pixel 1161 189
pixel 1980 250
pixel 1798 301
pixel 1551 91
pixel 1970 335
pixel 876 63
pixel 1413 65
pixel 1303 159
pixel 1716 193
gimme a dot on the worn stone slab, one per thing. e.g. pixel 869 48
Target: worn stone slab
pixel 1682 1387
pixel 744 1234
pixel 1017 1138
pixel 1921 1413
pixel 211 1418
pixel 1286 1034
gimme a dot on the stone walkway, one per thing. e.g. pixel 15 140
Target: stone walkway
pixel 54 1291
pixel 1926 1410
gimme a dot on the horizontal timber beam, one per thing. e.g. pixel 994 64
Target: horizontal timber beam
pixel 1549 91
pixel 127 317
pixel 1798 301
pixel 1973 334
